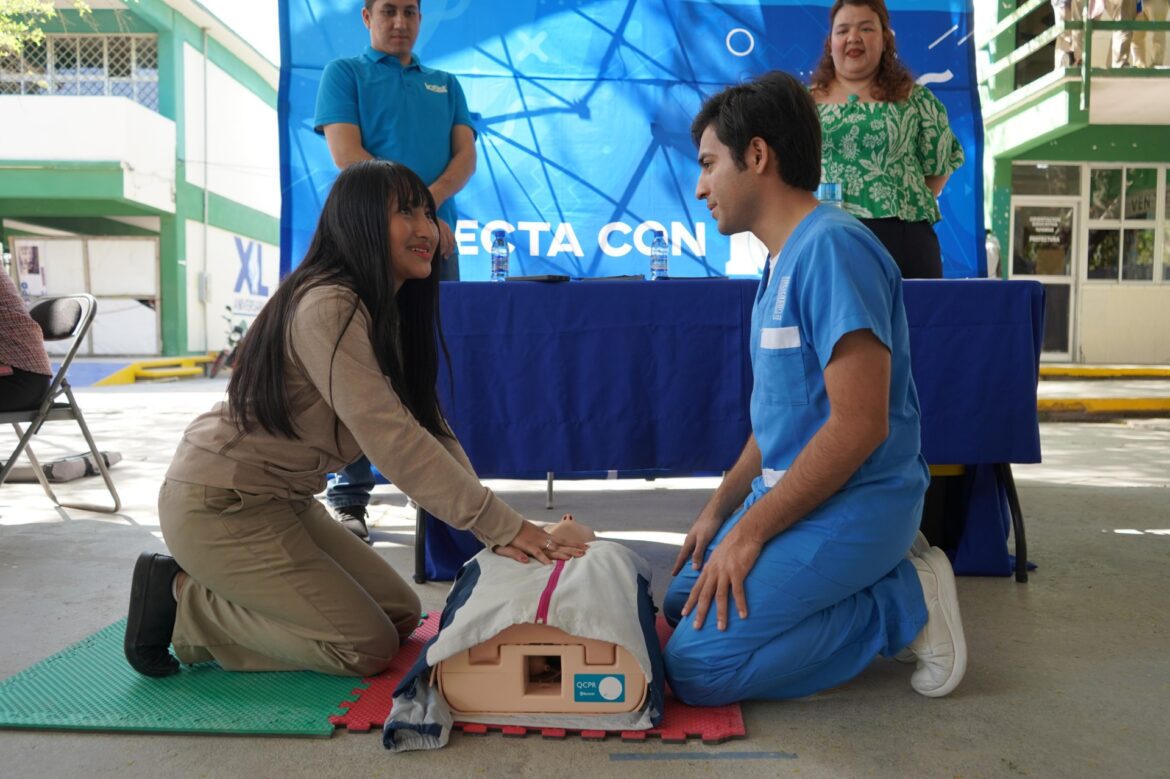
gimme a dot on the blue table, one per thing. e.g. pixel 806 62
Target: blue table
pixel 591 376
pixel 597 375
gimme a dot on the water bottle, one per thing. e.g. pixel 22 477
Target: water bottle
pixel 499 256
pixel 830 193
pixel 659 257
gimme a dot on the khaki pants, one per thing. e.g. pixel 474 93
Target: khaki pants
pixel 278 585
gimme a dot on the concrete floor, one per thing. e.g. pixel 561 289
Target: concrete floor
pixel 1067 389
pixel 1069 674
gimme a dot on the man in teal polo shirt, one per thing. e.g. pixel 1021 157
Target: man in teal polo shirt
pixel 384 104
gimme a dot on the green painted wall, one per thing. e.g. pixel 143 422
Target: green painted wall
pixel 50 180
pixel 224 213
pixel 1106 143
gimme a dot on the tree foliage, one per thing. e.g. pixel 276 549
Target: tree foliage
pixel 22 22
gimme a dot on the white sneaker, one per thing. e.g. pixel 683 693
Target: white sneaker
pixel 919 547
pixel 940 648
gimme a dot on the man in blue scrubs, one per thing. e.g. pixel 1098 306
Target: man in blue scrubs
pixel 385 104
pixel 796 574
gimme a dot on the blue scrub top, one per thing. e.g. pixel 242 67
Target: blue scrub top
pixel 832 277
pixel 405 113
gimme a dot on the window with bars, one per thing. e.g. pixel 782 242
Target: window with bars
pixel 110 65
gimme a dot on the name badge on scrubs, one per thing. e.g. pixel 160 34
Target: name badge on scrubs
pixel 779 337
pixel 781 297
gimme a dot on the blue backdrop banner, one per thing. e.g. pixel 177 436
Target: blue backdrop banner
pixel 582 112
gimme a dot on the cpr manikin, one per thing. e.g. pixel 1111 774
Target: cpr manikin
pixel 568 645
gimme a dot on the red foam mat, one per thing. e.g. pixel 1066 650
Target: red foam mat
pixel 680 722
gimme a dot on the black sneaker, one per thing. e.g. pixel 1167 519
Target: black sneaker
pixel 353 519
pixel 151 619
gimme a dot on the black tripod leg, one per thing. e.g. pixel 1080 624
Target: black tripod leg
pixel 1005 474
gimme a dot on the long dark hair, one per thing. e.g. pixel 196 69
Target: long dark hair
pixel 893 81
pixel 351 249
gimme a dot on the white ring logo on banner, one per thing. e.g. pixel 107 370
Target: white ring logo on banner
pixel 751 42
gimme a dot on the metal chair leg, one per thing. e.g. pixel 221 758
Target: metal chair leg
pixel 420 546
pixel 99 461
pixel 548 500
pixel 1005 474
pixel 25 447
pixel 37 470
pixel 21 445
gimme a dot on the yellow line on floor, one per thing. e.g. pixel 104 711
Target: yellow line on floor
pixel 1104 372
pixel 1104 405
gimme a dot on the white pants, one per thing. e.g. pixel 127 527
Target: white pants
pixel 1070 43
pixel 1151 46
pixel 1125 54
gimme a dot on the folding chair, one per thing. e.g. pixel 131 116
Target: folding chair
pixel 60 319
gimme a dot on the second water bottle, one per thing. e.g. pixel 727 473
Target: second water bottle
pixel 659 257
pixel 499 255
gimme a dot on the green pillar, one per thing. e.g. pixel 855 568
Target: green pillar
pixel 1001 211
pixel 172 250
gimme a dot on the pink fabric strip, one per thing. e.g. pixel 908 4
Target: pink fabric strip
pixel 546 596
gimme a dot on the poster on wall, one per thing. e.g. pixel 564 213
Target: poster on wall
pixel 582 114
pixel 30 272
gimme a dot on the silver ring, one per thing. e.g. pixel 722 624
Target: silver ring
pixel 548 545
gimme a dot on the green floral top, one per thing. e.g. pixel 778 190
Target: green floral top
pixel 881 154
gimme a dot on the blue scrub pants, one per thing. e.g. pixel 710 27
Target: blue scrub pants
pixel 351 486
pixel 825 598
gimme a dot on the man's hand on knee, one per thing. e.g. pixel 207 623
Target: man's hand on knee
pixel 698 539
pixel 723 575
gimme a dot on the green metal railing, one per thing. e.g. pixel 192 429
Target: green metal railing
pixel 1087 72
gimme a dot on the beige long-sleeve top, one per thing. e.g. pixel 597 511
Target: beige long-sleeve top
pixel 348 388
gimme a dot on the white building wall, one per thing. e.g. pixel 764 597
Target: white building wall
pixel 122 273
pixel 1125 324
pixel 242 153
pixel 59 128
pixel 240 274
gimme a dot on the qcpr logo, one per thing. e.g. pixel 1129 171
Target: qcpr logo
pixel 599 688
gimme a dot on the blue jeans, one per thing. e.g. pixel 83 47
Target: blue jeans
pixel 351 486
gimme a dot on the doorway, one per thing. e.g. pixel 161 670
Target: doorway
pixel 1044 248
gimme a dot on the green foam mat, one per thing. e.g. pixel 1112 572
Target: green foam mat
pixel 90 686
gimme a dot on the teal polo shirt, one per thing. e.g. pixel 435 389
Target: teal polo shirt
pixel 405 113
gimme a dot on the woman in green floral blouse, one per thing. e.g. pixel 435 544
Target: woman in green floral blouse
pixel 886 140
